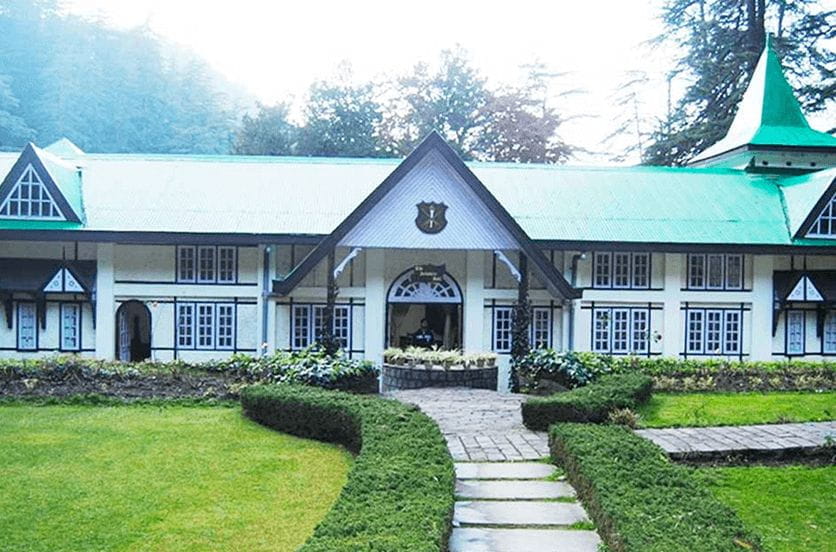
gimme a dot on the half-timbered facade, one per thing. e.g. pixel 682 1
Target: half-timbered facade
pixel 199 257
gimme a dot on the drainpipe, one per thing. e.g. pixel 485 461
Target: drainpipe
pixel 570 345
pixel 265 292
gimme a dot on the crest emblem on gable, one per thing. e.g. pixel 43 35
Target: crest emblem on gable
pixel 431 217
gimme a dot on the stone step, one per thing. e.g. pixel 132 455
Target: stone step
pixel 513 490
pixel 503 470
pixel 524 512
pixel 472 539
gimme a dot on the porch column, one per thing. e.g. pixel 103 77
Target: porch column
pixel 474 303
pixel 375 310
pixel 760 334
pixel 105 307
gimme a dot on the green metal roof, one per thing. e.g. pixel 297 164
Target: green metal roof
pixel 769 114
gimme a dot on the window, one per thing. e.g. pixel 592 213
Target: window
pixel 225 326
pixel 185 325
pixel 308 323
pixel 621 270
pixel 206 326
pixel 185 264
pixel 715 271
pixel 226 264
pixel 825 225
pixel 541 328
pixel 602 270
pixel 70 326
pixel 795 332
pixel 207 264
pixel 502 323
pixel 27 327
pixel 713 331
pixel 829 333
pixel 622 330
pixel 30 199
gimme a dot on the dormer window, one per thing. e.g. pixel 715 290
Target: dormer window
pixel 825 225
pixel 30 199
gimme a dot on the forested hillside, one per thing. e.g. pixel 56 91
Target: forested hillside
pixel 106 90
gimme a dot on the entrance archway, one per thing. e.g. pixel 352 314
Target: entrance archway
pixel 133 332
pixel 409 302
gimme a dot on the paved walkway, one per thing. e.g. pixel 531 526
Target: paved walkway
pixel 768 438
pixel 505 504
pixel 479 425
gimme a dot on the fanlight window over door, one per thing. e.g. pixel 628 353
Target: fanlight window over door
pixel 407 290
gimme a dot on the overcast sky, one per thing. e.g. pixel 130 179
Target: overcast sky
pixel 275 49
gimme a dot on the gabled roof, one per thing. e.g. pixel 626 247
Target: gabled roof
pixel 768 114
pixel 816 285
pixel 805 196
pixel 553 280
pixel 62 181
pixel 65 149
pixel 34 275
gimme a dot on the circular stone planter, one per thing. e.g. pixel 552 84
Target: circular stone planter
pixel 406 377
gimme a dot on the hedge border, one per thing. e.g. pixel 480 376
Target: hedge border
pixel 400 489
pixel 639 499
pixel 591 403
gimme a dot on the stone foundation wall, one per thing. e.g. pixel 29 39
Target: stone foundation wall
pixel 404 377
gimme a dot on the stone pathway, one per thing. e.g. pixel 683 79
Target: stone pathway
pixel 503 503
pixel 479 425
pixel 767 438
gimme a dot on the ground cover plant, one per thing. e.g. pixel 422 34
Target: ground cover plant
pixel 790 507
pixel 399 494
pixel 638 499
pixel 713 409
pixel 156 477
pixel 591 403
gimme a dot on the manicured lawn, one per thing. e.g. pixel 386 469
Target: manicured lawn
pixel 791 508
pixel 158 478
pixel 708 409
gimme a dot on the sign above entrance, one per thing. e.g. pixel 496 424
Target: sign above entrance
pixel 430 274
pixel 431 217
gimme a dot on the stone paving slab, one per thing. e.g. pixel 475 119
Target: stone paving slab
pixel 513 490
pixel 523 512
pixel 734 439
pixel 503 470
pixel 479 425
pixel 472 539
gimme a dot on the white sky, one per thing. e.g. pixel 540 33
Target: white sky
pixel 276 48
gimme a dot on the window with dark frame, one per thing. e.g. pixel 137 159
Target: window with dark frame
pixel 621 330
pixel 27 326
pixel 713 331
pixel 539 330
pixel 829 333
pixel 207 264
pixel 621 270
pixel 185 325
pixel 715 271
pixel 502 324
pixel 795 332
pixel 29 198
pixel 308 323
pixel 205 326
pixel 825 224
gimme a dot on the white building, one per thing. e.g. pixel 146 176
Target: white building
pixel 197 257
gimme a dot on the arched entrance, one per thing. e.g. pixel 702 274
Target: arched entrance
pixel 133 332
pixel 411 301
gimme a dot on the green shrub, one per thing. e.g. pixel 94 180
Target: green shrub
pixel 638 499
pixel 566 369
pixel 592 403
pixel 399 494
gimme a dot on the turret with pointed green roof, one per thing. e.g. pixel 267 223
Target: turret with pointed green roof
pixel 770 132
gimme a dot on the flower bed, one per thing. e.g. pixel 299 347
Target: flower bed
pixel 416 357
pixel 72 375
pixel 399 494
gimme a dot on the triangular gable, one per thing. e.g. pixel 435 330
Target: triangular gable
pixel 505 228
pixel 805 291
pixel 821 222
pixel 30 162
pixel 63 281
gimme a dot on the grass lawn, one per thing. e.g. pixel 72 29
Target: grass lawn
pixel 708 409
pixel 158 478
pixel 790 507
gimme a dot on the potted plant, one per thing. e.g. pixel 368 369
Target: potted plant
pixel 393 356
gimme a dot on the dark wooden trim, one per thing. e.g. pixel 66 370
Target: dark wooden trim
pixel 161 238
pixel 814 213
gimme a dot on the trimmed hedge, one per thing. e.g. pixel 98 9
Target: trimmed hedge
pixel 639 500
pixel 591 403
pixel 400 490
